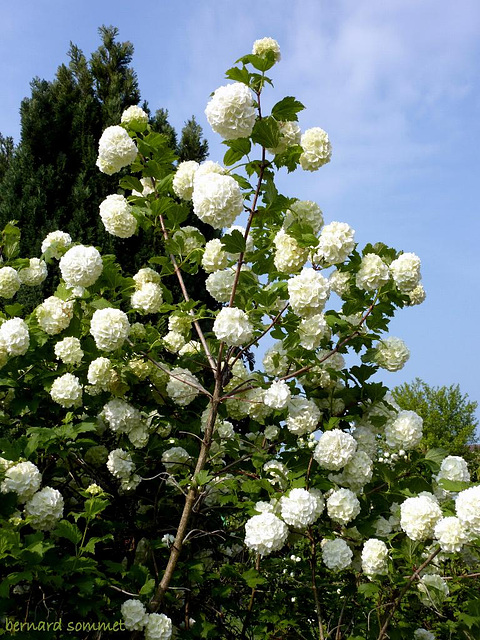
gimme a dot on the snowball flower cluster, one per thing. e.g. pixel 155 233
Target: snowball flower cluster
pixel 423 634
pixel 392 354
pixel 144 276
pixel 275 360
pixel 233 326
pixel 120 416
pixel 373 273
pixel 277 396
pixel 134 615
pixel 417 295
pixel 158 627
pixel 266 45
pixel 335 449
pixel 336 554
pixel 217 200
pixel 220 283
pixel 374 558
pixel 453 468
pixel 336 242
pixel 81 266
pixel 69 351
pixel 405 272
pixel 339 282
pixel 34 274
pixel 265 533
pixel 117 218
pixel 100 373
pixel 343 506
pixel 289 255
pixel 45 508
pixel 175 458
pixel 134 114
pixel 23 478
pixel 120 464
pixel 467 506
pixel 67 391
pixel 301 507
pixel 189 238
pixel 54 315
pixel 9 282
pixel 432 590
pixel 450 534
pixel 115 150
pixel 183 179
pixel 14 337
pixel 312 331
pixel 148 298
pixel 405 431
pixel 214 257
pixel 418 517
pixel 357 472
pixel 308 292
pixel 304 212
pixel 231 111
pixel 317 149
pixel 56 242
pixel 182 386
pixel 109 328
pixel 303 416
pixel 290 135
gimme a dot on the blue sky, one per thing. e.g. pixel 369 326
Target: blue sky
pixel 394 83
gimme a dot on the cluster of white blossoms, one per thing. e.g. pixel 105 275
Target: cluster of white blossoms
pixel 432 590
pixel 44 509
pixel 14 337
pixel 336 554
pixel 312 331
pixel 183 179
pixel 343 506
pixel 405 431
pixel 336 242
pixel 115 150
pixel 134 114
pixel 317 149
pixel 303 416
pixel 339 282
pixel 423 634
pixel 373 273
pixel 217 199
pixel 374 558
pixel 117 218
pixel 417 295
pixel 419 515
pixel 233 326
pixel 278 395
pixel 69 351
pixel 56 243
pixel 122 417
pixel 175 458
pixel 10 282
pixel 266 45
pixel 109 328
pixel 54 315
pixel 120 464
pixel 275 360
pixel 405 272
pixel 301 507
pixel 101 373
pixel 357 472
pixel 231 111
pixel 67 391
pixel 81 266
pixel 304 212
pixel 214 257
pixel 148 298
pixel 265 533
pixel 219 284
pixel 289 255
pixel 134 615
pixel 290 135
pixel 34 274
pixel 453 468
pixel 182 387
pixel 23 478
pixel 158 627
pixel 450 534
pixel 308 292
pixel 335 449
pixel 190 238
pixel 391 354
pixel 467 507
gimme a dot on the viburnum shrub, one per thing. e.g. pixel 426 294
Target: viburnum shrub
pixel 158 472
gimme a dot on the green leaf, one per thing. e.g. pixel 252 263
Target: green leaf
pixel 131 183
pixel 287 109
pixel 262 63
pixel 436 455
pixel 234 242
pixel 253 578
pixel 94 506
pixel 239 75
pixel 11 241
pixel 68 530
pixel 454 485
pixel 266 133
pixel 148 588
pixel 289 158
pixel 238 148
pixel 14 310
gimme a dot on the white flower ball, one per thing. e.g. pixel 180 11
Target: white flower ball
pixel 467 506
pixel 14 337
pixel 45 508
pixel 10 282
pixel 117 218
pixel 335 449
pixel 34 274
pixel 339 282
pixel 158 627
pixel 175 458
pixel 303 416
pixel 290 135
pixel 120 464
pixel 23 478
pixel 373 273
pixel 69 351
pixel 232 326
pixel 190 237
pixel 418 517
pixel 134 114
pixel 336 554
pixel 366 440
pixel 343 506
pixel 134 615
pixel 301 508
pixel 121 416
pixel 317 149
pixel 101 373
pixel 423 634
pixel 147 299
pixel 392 354
pixel 183 179
pixel 173 341
pixel 405 272
pixel 56 242
pixel 374 558
pixel 312 331
pixel 231 111
pixel 81 266
pixel 450 534
pixel 277 472
pixel 278 395
pixel 109 328
pixel 453 468
pixel 208 167
pixel 335 244
pixel 179 386
pixel 67 391
pixel 289 255
pixel 265 533
pixel 308 292
pixel 275 360
pixel 265 45
pixel 417 295
pixel 217 200
pixel 432 590
pixel 305 212
pixel 145 276
pixel 405 431
pixel 219 284
pixel 214 257
pixel 115 150
pixel 357 472
pixel 54 315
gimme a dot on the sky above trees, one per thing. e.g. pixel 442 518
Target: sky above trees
pixel 394 83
